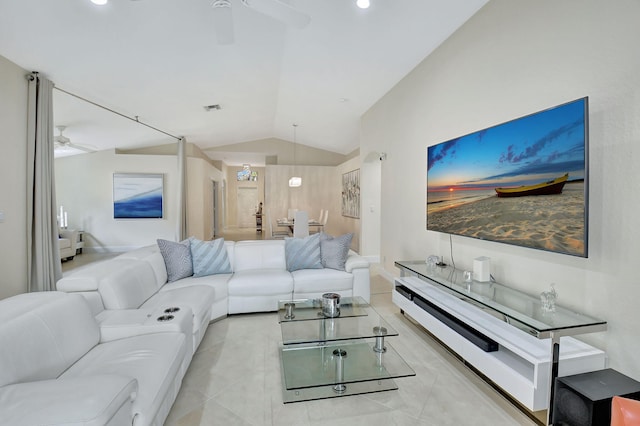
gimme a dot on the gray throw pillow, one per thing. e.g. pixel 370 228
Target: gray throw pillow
pixel 334 250
pixel 303 253
pixel 177 259
pixel 209 257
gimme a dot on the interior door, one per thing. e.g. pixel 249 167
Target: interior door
pixel 247 202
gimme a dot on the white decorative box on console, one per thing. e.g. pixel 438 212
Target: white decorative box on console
pixel 500 331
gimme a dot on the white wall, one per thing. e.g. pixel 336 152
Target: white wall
pixel 84 186
pixel 511 59
pixel 370 204
pixel 200 175
pixel 13 162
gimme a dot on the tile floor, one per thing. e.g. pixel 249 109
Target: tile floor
pixel 234 379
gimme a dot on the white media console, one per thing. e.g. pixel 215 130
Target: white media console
pixel 501 332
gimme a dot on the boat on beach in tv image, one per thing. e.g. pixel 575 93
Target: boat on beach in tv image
pixel 550 187
pixel 523 182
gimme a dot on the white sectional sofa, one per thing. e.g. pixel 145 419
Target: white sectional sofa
pixel 258 280
pixel 113 344
pixel 58 370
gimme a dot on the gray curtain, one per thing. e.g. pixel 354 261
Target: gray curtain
pixel 182 189
pixel 43 256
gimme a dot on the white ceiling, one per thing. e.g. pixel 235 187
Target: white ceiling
pixel 160 60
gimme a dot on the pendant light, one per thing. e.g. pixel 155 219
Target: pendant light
pixel 295 181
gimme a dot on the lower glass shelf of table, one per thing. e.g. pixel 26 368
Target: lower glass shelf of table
pixel 331 357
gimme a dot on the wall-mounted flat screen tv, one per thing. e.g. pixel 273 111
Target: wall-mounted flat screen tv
pixel 523 182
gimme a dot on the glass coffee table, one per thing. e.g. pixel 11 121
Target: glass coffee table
pixel 325 357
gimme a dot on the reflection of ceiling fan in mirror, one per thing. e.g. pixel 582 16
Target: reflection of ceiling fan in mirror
pixel 276 9
pixel 63 143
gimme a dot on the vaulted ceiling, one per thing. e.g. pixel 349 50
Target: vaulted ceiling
pixel 161 61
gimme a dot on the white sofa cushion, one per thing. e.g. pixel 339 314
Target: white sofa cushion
pixel 15 306
pixel 218 282
pixel 41 343
pixel 65 402
pixel 156 361
pixel 257 283
pixel 152 255
pixel 259 255
pixel 88 278
pixel 321 281
pixel 128 286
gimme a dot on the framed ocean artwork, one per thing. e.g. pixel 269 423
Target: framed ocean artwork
pixel 138 195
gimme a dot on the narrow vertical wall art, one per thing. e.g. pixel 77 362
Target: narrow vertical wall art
pixel 351 194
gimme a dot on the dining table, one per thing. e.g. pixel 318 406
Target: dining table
pixel 290 222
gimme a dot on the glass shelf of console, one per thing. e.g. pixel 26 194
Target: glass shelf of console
pixel 523 310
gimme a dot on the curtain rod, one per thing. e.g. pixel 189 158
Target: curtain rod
pixel 117 113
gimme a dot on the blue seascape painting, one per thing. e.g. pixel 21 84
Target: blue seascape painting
pixel 137 196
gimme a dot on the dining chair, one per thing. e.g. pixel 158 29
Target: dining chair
pixel 275 234
pixel 325 218
pixel 301 225
pixel 318 229
pixel 321 216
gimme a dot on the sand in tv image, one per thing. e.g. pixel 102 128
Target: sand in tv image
pixel 137 196
pixel 522 182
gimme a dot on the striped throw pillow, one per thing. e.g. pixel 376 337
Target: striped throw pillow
pixel 177 259
pixel 209 257
pixel 303 253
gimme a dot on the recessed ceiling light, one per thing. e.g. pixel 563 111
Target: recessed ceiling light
pixel 363 4
pixel 99 2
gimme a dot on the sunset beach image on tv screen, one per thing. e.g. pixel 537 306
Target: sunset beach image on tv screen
pixel 523 182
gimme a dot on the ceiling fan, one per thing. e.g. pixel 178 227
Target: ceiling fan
pixel 62 142
pixel 276 9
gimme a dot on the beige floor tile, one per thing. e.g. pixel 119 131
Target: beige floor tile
pixel 237 371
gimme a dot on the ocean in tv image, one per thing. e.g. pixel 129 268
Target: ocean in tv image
pixel 522 182
pixel 137 196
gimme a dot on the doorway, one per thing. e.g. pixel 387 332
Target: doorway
pixel 247 202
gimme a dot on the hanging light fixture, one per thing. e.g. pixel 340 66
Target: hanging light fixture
pixel 363 4
pixel 294 181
